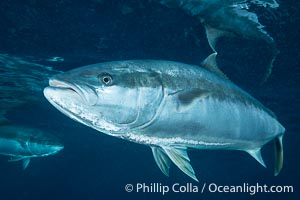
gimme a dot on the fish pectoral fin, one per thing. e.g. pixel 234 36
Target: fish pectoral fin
pixel 256 153
pixel 162 160
pixel 278 155
pixel 181 159
pixel 25 160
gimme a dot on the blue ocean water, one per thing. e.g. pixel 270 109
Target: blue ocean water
pixel 96 166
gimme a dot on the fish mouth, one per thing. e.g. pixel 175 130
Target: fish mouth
pixel 86 93
pixel 51 150
pixel 54 83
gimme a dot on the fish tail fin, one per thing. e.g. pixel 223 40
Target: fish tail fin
pixel 278 155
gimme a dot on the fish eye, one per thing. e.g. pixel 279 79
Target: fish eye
pixel 106 79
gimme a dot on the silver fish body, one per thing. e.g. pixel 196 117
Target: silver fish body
pixel 167 105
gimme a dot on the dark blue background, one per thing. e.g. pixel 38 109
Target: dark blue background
pixel 96 166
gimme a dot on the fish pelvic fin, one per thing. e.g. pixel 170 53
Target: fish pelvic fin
pixel 278 155
pixel 256 154
pixel 162 160
pixel 180 158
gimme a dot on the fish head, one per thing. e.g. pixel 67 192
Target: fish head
pixel 42 144
pixel 112 97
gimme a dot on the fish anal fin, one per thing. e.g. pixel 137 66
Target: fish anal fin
pixel 161 159
pixel 181 159
pixel 210 63
pixel 256 154
pixel 278 155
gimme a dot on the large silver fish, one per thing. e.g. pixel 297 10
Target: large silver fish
pixel 169 106
pixel 22 143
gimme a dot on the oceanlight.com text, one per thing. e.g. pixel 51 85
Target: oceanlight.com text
pixel 250 189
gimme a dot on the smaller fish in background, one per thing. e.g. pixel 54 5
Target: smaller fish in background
pixel 22 143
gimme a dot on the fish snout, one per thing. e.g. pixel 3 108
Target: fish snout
pixel 86 92
pixel 57 148
pixel 40 149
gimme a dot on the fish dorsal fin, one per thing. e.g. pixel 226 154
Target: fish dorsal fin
pixel 25 160
pixel 161 159
pixel 181 159
pixel 278 155
pixel 210 63
pixel 256 153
